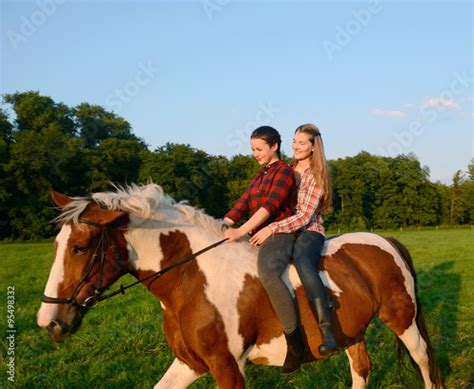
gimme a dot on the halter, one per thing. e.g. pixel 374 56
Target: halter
pixel 101 247
pixel 90 301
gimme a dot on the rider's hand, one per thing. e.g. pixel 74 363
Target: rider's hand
pixel 233 234
pixel 261 236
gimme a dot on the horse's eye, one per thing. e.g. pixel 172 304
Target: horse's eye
pixel 79 250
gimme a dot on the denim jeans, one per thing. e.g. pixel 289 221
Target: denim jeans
pixel 273 259
pixel 307 255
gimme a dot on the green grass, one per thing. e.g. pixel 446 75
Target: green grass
pixel 121 343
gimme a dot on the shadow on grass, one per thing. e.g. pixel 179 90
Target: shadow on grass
pixel 438 294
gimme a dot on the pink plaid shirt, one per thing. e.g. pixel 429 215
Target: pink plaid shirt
pixel 307 215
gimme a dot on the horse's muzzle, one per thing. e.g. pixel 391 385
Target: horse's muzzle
pixel 59 330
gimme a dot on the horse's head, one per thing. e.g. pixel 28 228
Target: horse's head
pixel 90 255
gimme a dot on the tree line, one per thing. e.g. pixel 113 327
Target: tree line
pixel 83 149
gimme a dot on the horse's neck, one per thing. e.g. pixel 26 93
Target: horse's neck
pixel 154 249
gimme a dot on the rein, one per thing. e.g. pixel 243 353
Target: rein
pixel 90 301
pixel 95 299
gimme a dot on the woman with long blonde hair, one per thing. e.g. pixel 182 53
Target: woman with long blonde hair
pixel 314 197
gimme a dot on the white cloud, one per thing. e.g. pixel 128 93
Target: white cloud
pixel 440 103
pixel 391 114
pixel 434 102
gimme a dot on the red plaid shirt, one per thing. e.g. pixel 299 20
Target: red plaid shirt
pixel 272 188
pixel 307 215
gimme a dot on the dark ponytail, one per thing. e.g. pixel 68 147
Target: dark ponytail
pixel 269 135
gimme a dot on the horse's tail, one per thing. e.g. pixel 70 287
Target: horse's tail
pixel 420 321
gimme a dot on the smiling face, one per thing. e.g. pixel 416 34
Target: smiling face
pixel 263 152
pixel 303 148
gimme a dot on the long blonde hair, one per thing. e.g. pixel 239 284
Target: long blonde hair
pixel 318 164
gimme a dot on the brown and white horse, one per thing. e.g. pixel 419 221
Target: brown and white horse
pixel 217 316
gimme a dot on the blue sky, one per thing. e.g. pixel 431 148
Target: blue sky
pixel 384 77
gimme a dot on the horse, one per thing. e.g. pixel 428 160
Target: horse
pixel 216 314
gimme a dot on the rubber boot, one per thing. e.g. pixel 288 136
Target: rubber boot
pixel 323 313
pixel 295 352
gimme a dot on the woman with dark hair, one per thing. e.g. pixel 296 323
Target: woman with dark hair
pixel 312 179
pixel 270 195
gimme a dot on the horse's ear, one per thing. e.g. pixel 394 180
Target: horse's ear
pixel 59 199
pixel 108 217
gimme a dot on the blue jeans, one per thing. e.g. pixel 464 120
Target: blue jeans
pixel 307 255
pixel 274 257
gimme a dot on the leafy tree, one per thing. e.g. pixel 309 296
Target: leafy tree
pixel 6 127
pixel 355 182
pixel 407 197
pixel 40 149
pixel 468 190
pixel 470 170
pixel 241 170
pixel 6 184
pixel 94 124
pixel 457 199
pixel 46 149
pixel 216 192
pixel 458 208
pixel 372 191
pixel 189 174
pixel 113 161
pixel 38 162
pixel 83 149
pixel 42 153
pixel 444 193
pixel 427 208
pixel 37 113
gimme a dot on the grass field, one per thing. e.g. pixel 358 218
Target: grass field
pixel 121 343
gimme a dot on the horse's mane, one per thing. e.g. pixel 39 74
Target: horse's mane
pixel 143 201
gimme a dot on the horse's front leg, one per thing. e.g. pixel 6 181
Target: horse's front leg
pixel 226 372
pixel 179 375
